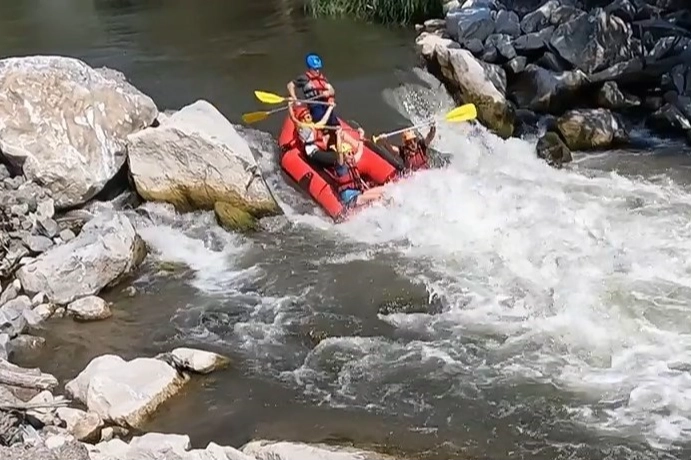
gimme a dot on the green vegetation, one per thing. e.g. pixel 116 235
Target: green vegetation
pixel 381 11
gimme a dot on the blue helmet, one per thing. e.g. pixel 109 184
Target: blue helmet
pixel 313 61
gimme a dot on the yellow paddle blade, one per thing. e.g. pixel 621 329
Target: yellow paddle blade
pixel 254 117
pixel 269 98
pixel 461 114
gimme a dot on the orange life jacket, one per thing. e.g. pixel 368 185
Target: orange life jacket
pixel 415 158
pixel 317 84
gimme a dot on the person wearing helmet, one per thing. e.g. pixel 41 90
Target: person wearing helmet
pixel 312 140
pixel 314 85
pixel 352 190
pixel 413 151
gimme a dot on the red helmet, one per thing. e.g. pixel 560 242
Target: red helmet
pixel 301 111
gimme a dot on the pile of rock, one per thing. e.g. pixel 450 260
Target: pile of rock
pixel 571 59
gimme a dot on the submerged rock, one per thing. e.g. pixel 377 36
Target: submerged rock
pixel 469 80
pixel 107 248
pixel 65 124
pixel 195 159
pixel 267 449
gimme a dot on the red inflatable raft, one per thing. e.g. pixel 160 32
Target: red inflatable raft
pixel 377 163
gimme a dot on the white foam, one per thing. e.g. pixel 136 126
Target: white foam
pixel 577 278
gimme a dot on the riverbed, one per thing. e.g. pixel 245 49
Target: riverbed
pixel 496 308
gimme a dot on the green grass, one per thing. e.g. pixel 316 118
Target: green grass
pixel 381 11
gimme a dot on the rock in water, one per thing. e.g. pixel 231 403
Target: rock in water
pixel 594 41
pixel 611 97
pixel 125 393
pixel 552 149
pixel 268 449
pixel 591 129
pixel 66 124
pixel 199 361
pixel 89 308
pixel 469 80
pixel 107 248
pixel 195 159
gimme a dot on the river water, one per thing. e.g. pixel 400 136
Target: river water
pixel 495 308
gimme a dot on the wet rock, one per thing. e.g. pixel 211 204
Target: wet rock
pixel 107 249
pixel 507 23
pixel 594 41
pixel 542 90
pixel 198 361
pixel 26 343
pixel 65 123
pixel 231 217
pixel 155 445
pixel 468 81
pixel 433 25
pixel 540 18
pixel 123 392
pixel 89 308
pixel 611 97
pixel 267 449
pixel 204 161
pixel 669 120
pixel 85 426
pixel 591 129
pixel 469 23
pixel 531 43
pixel 552 149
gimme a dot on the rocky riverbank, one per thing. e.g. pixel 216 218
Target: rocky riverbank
pixel 70 136
pixel 589 69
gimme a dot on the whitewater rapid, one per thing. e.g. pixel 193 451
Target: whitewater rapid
pixel 574 280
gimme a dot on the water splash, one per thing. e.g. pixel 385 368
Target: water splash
pixel 576 279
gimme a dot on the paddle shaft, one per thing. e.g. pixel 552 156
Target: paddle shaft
pixel 419 125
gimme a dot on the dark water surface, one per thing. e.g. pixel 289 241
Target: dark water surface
pixel 558 321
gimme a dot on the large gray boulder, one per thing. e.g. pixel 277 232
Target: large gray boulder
pixel 65 124
pixel 107 248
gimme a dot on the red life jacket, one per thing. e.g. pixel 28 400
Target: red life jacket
pixel 317 139
pixel 316 85
pixel 350 180
pixel 415 158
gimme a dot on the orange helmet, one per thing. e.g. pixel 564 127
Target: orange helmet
pixel 301 111
pixel 408 136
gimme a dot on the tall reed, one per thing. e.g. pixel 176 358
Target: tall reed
pixel 381 11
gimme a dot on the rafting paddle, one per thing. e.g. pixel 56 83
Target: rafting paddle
pixel 271 98
pixel 463 113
